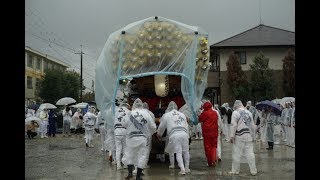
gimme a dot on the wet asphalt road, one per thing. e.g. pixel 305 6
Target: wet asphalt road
pixel 67 158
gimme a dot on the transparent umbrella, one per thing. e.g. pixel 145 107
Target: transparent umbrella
pixel 80 105
pixel 47 106
pixel 286 99
pixel 65 101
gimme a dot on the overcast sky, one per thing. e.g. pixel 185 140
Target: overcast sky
pixel 59 27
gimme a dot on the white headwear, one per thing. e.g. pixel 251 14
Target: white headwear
pixel 137 104
pixel 172 105
pixel 237 104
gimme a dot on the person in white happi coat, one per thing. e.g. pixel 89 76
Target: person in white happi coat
pixel 290 124
pixel 102 131
pixel 109 142
pixel 139 127
pixel 284 113
pixel 178 132
pixel 286 121
pixel 263 126
pixel 44 116
pixel 89 124
pixel 293 125
pixel 277 130
pixel 225 119
pixel 241 135
pixel 146 106
pixel 122 114
pixel 220 129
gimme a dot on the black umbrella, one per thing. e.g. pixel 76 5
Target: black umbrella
pixel 264 104
pixel 34 106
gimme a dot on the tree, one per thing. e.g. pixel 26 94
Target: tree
pixel 262 80
pixel 236 78
pixel 57 84
pixel 289 80
pixel 89 96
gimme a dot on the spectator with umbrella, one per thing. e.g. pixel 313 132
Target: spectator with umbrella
pixel 52 123
pixel 271 121
pixel 44 124
pixel 67 114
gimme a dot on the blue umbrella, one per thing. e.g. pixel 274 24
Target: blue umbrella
pixel 264 104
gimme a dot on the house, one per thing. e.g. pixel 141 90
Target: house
pixel 273 42
pixel 36 63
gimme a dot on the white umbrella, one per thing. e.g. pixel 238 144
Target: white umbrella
pixel 277 101
pixel 80 105
pixel 32 118
pixel 47 106
pixel 286 99
pixel 65 101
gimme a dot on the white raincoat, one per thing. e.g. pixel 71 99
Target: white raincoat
pixel 67 117
pixel 139 127
pixel 122 115
pixel 102 130
pixel 44 116
pixel 178 132
pixel 89 125
pixel 242 128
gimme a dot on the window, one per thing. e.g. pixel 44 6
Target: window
pixel 49 65
pixel 242 56
pixel 45 65
pixel 215 62
pixel 30 61
pixel 37 84
pixel 38 63
pixel 29 82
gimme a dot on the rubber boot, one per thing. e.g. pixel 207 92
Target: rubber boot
pixel 139 174
pixel 130 169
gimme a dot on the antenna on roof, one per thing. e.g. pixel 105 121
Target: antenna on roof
pixel 260 19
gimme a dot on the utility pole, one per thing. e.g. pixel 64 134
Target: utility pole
pixel 80 74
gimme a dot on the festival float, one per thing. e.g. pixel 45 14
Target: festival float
pixel 157 60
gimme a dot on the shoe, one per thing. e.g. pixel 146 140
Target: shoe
pixel 91 146
pixel 42 136
pixel 119 167
pixel 253 174
pixel 201 138
pixel 129 176
pixel 171 167
pixel 182 172
pixel 219 160
pixel 46 136
pixel 196 138
pixel 102 149
pixel 87 145
pixel 293 146
pixel 209 165
pixel 187 171
pixel 110 158
pixel 269 148
pixel 233 173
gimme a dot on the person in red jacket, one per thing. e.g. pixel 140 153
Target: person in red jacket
pixel 209 119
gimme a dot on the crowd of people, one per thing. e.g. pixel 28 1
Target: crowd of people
pixel 133 127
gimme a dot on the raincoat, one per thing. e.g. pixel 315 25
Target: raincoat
pixel 209 119
pixel 178 135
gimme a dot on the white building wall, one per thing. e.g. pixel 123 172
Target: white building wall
pixel 275 56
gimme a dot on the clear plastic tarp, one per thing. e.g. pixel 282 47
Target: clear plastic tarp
pixel 154 46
